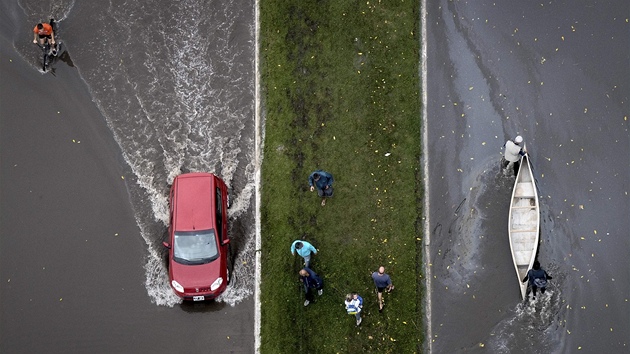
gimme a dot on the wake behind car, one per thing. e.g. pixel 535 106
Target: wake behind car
pixel 198 241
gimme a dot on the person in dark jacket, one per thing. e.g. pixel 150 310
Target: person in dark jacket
pixel 311 281
pixel 537 278
pixel 322 181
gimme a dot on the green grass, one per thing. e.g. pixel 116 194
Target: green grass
pixel 340 90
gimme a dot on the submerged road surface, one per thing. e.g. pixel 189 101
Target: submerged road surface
pixel 556 73
pixel 167 87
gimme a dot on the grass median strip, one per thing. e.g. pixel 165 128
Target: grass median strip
pixel 341 93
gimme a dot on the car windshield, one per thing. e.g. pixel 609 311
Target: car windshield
pixel 195 247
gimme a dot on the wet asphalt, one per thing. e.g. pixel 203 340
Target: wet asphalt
pixel 556 73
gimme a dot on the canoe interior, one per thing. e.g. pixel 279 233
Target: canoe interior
pixel 524 221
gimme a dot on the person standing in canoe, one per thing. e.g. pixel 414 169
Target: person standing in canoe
pixel 513 153
pixel 538 278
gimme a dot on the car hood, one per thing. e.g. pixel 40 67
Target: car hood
pixel 196 276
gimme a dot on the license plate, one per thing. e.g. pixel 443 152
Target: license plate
pixel 199 298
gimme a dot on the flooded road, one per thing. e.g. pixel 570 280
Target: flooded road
pixel 557 73
pixel 144 91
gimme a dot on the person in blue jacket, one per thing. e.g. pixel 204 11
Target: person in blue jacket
pixel 537 278
pixel 311 281
pixel 304 249
pixel 354 304
pixel 323 181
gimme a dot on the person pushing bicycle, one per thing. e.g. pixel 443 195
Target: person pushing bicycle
pixel 44 32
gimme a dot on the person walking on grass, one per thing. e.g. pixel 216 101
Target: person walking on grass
pixel 323 181
pixel 382 282
pixel 537 279
pixel 354 304
pixel 513 153
pixel 304 249
pixel 311 282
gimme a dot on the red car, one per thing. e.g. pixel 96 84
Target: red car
pixel 198 245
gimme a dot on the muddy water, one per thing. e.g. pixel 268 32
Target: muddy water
pixel 557 74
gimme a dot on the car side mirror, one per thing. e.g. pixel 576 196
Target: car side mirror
pixel 166 244
pixel 225 242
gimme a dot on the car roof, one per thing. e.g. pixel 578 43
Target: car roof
pixel 195 195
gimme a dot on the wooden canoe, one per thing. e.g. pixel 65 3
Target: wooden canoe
pixel 524 222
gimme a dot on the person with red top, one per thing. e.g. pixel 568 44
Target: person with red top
pixel 43 32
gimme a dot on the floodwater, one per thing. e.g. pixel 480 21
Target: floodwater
pixel 557 73
pixel 144 91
